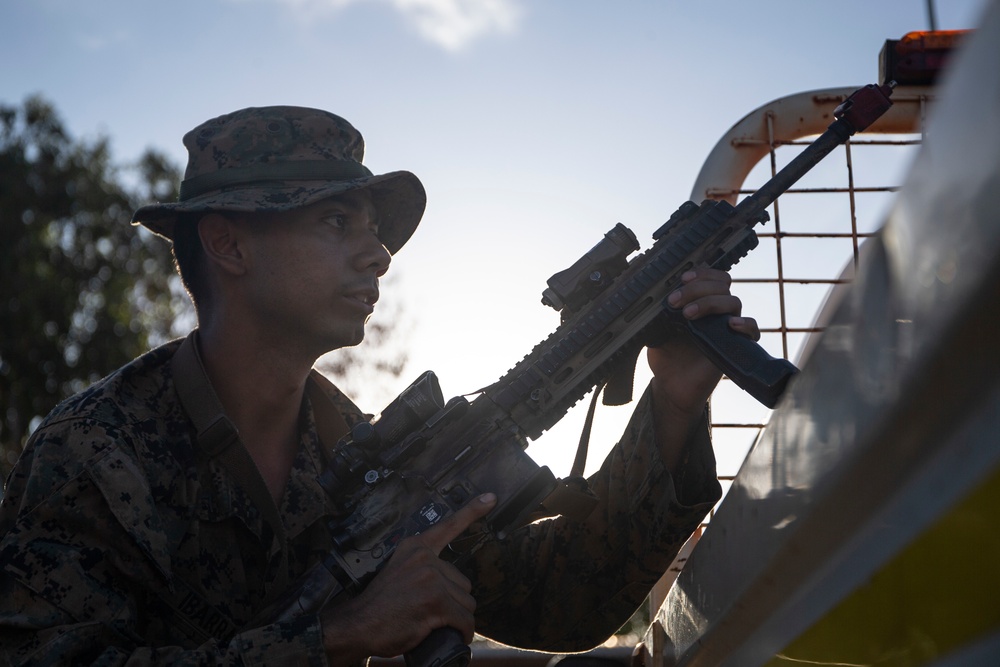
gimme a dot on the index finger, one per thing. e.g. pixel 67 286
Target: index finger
pixel 440 535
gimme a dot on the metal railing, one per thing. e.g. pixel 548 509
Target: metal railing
pixel 753 150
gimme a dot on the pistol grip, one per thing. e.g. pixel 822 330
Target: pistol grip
pixel 443 647
pixel 743 360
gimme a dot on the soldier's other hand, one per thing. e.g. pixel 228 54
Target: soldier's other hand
pixel 682 374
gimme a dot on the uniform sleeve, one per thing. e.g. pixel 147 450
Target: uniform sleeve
pixel 75 583
pixel 564 585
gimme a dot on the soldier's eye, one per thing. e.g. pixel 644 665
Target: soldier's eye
pixel 336 221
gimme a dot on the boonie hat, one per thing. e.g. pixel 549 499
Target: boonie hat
pixel 282 158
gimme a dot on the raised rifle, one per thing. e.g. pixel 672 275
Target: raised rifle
pixel 422 459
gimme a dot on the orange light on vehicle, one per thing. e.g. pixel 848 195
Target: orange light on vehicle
pixel 919 57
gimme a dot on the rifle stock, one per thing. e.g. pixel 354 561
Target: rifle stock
pixel 421 459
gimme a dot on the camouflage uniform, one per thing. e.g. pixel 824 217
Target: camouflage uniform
pixel 113 521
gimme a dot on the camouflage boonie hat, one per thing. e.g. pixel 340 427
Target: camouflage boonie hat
pixel 282 158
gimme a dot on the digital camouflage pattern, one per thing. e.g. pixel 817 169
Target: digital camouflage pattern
pixel 281 158
pixel 120 542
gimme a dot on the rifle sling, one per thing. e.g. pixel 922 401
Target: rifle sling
pixel 572 497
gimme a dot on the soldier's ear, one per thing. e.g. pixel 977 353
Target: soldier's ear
pixel 224 243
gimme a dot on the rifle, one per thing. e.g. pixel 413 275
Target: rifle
pixel 422 459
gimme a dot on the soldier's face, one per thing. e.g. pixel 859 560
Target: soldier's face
pixel 316 270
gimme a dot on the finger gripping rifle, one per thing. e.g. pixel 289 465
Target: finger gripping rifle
pixel 422 459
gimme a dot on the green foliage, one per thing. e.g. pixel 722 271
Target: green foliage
pixel 81 290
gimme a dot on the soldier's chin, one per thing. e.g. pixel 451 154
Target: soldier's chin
pixel 333 341
pixel 355 339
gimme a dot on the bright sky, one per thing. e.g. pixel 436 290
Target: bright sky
pixel 534 126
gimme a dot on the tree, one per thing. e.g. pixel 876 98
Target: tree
pixel 81 291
